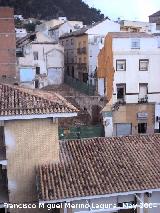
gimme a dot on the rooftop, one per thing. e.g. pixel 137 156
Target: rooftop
pixel 57 26
pixel 130 35
pixel 83 30
pixel 101 166
pixel 15 101
pixel 155 14
pixel 75 33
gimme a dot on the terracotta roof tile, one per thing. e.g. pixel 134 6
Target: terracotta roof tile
pixel 102 166
pixel 16 100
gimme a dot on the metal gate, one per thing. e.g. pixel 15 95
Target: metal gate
pixel 122 129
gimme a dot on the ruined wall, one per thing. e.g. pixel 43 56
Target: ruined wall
pixel 29 143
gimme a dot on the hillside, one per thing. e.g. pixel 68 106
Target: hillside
pixel 48 9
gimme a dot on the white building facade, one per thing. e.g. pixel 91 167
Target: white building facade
pixel 137 67
pixel 96 36
pixel 20 33
pixel 42 63
pixel 66 27
pixel 139 26
pixel 135 85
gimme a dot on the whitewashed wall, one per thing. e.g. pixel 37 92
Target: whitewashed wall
pixel 132 76
pixel 96 36
pixel 50 57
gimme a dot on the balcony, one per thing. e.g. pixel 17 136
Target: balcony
pixel 143 100
pixel 82 67
pixel 81 50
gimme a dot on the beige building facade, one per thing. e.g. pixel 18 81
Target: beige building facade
pixel 129 119
pixel 29 138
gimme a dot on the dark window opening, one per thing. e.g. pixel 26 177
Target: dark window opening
pixel 68 70
pixel 142 128
pixel 85 77
pixel 37 70
pixel 36 83
pixel 121 92
pixel 72 72
pixel 2 210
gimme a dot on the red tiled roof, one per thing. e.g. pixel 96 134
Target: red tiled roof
pixel 101 166
pixel 16 100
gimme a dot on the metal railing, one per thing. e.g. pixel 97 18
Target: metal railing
pixel 81 132
pixel 82 50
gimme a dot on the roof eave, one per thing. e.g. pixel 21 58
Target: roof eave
pixel 99 196
pixel 39 116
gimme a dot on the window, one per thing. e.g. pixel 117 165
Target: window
pixel 36 83
pixel 143 91
pixel 85 77
pixel 37 70
pixel 143 64
pixel 135 43
pixel 35 55
pixel 72 41
pixel 68 70
pixel 121 65
pixel 142 128
pixel 80 60
pixel 72 72
pixel 121 91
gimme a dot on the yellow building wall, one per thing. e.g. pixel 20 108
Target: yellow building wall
pixel 29 143
pixel 81 42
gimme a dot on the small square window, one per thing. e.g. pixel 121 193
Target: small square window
pixel 121 65
pixel 135 43
pixel 143 64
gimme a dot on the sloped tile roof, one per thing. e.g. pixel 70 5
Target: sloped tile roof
pixel 155 14
pixel 101 166
pixel 16 100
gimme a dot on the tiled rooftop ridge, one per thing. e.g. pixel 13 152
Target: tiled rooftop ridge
pixel 100 166
pixel 16 100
